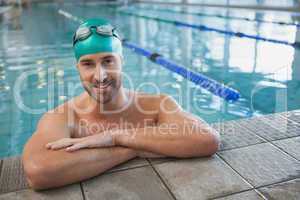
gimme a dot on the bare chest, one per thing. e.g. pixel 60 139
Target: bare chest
pixel 86 126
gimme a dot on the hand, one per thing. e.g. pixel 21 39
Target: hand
pixel 104 139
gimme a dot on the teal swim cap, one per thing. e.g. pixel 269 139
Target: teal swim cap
pixel 97 43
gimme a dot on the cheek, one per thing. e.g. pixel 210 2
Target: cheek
pixel 116 76
pixel 86 75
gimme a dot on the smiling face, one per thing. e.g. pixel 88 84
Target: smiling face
pixel 101 75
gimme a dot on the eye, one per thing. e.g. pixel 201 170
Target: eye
pixel 108 62
pixel 87 64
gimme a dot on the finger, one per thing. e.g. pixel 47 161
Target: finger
pixel 62 144
pixel 48 146
pixel 77 146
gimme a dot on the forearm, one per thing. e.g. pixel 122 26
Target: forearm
pixel 176 143
pixel 58 168
pixel 147 154
pixel 150 140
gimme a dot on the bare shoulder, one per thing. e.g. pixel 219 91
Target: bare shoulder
pixel 168 103
pixel 146 100
pixel 160 102
pixel 61 116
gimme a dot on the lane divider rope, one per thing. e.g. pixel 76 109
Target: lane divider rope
pixel 207 28
pixel 203 81
pixel 219 16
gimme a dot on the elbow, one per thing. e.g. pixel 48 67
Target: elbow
pixel 37 175
pixel 203 146
pixel 213 144
pixel 212 141
pixel 208 144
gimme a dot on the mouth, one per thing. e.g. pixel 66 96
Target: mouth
pixel 102 86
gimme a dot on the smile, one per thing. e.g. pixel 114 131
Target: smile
pixel 103 86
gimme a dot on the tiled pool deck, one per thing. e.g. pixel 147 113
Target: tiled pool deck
pixel 259 159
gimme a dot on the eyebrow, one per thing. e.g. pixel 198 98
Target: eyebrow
pixel 91 60
pixel 86 60
pixel 108 56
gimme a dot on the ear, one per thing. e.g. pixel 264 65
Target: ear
pixel 122 60
pixel 77 63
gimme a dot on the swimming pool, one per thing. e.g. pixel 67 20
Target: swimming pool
pixel 37 42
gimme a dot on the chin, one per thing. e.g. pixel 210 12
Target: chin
pixel 102 98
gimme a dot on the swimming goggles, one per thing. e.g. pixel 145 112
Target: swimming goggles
pixel 85 32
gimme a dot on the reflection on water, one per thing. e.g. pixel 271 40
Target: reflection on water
pixel 37 40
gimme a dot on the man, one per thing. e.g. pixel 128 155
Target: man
pixel 107 124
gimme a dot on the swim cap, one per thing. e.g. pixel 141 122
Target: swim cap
pixel 97 43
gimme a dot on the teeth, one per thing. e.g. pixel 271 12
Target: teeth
pixel 102 86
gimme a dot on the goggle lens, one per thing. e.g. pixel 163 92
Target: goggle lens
pixel 83 33
pixel 105 30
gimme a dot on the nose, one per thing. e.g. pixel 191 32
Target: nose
pixel 100 74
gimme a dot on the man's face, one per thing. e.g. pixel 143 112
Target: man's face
pixel 101 75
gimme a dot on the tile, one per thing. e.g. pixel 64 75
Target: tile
pixel 290 145
pixel 72 192
pixel 134 184
pixel 262 164
pixel 137 162
pixel 289 190
pixel 233 135
pixel 288 128
pixel 265 128
pixel 249 195
pixel 12 177
pixel 200 178
pixel 292 115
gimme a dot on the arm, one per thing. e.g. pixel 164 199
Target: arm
pixel 178 134
pixel 46 168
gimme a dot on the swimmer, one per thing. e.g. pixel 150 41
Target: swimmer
pixel 108 124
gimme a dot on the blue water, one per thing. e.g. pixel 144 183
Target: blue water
pixel 37 40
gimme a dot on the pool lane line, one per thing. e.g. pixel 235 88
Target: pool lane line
pixel 221 16
pixel 201 27
pixel 203 81
pixel 69 16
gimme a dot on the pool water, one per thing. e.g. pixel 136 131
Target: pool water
pixel 37 67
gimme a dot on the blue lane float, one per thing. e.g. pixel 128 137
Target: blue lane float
pixel 203 81
pixel 218 16
pixel 236 34
pixel 206 28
